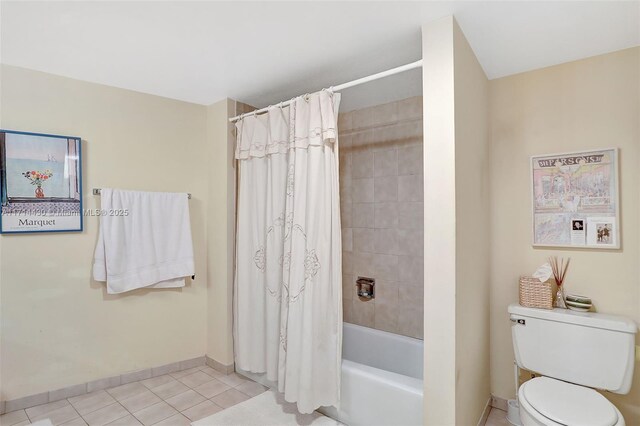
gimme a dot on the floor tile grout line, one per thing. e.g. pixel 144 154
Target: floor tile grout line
pixel 201 368
pixel 28 417
pixel 210 399
pixel 179 411
pixel 125 409
pixel 206 399
pixel 161 400
pixel 136 417
pixel 101 390
pixel 189 387
pixel 25 413
pixel 66 399
pixel 165 400
pixel 132 413
pixel 109 405
pixel 151 390
pixel 204 396
pixel 74 409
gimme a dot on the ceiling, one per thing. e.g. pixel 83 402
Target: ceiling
pixel 263 52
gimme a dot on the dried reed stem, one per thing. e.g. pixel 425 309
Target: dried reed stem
pixel 559 269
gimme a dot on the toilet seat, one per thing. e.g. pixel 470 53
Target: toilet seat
pixel 553 402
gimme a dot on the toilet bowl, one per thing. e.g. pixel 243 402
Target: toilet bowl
pixel 549 402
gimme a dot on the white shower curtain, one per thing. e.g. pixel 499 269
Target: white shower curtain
pixel 288 291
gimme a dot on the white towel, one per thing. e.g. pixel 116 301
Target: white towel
pixel 149 246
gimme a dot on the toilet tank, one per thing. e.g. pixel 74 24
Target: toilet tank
pixel 588 349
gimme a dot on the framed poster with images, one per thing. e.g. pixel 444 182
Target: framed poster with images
pixel 40 183
pixel 575 200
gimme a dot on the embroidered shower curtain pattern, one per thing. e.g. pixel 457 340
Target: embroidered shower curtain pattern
pixel 288 291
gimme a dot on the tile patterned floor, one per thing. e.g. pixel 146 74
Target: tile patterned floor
pixel 174 399
pixel 497 417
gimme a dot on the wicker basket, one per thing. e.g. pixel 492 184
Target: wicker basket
pixel 534 294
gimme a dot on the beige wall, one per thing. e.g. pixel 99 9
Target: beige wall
pixel 58 327
pixel 456 178
pixel 472 233
pixel 220 231
pixel 221 227
pixel 588 104
pixel 382 214
pixel 440 208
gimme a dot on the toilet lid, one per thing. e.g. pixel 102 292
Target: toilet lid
pixel 569 404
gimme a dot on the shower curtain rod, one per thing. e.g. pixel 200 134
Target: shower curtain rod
pixel 356 82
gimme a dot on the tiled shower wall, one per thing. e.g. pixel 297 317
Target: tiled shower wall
pixel 381 191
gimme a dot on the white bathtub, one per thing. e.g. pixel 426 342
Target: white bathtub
pixel 381 379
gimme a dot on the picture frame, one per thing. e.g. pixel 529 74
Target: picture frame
pixel 575 201
pixel 40 183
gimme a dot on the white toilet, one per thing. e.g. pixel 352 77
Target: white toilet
pixel 573 352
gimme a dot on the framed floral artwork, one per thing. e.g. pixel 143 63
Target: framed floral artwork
pixel 40 183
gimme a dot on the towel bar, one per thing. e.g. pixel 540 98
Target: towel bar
pixel 96 191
